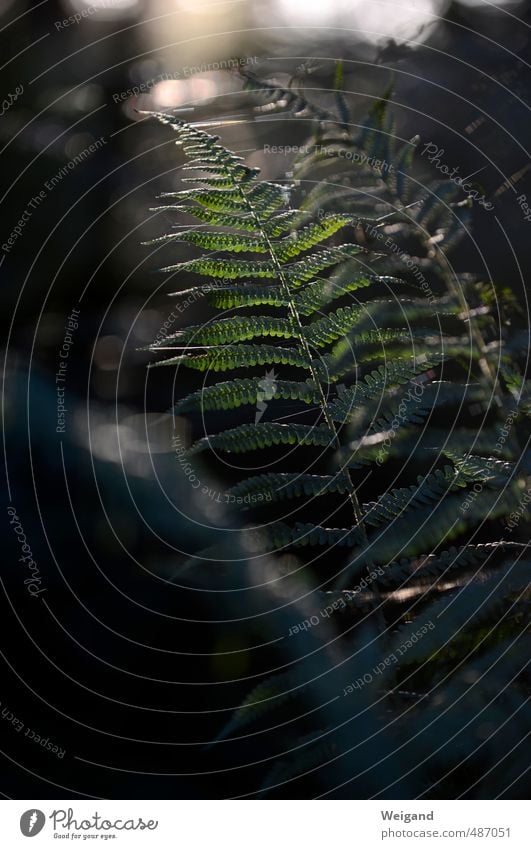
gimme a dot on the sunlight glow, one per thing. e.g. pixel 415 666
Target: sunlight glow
pixel 377 20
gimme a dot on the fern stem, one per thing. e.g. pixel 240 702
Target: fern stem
pixel 353 498
pixel 484 364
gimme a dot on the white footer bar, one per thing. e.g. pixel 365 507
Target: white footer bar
pixel 265 824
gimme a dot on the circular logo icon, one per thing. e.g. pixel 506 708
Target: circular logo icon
pixel 31 822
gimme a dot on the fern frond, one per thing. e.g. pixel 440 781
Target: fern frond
pixel 303 534
pixel 468 599
pixel 282 486
pixel 475 468
pixel 430 567
pixel 264 197
pixel 393 409
pixel 296 243
pixel 436 524
pixel 242 221
pixel 280 98
pixel 374 385
pixel 266 696
pixel 228 201
pixel 215 241
pixel 477 603
pixel 228 357
pixel 320 293
pixel 228 330
pixel 235 393
pixel 313 234
pixel 227 269
pixel 231 296
pixel 303 271
pixel 285 222
pixel 326 330
pixel 429 489
pixel 250 437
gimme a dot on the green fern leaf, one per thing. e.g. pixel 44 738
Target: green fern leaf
pixel 235 393
pixel 227 269
pixel 208 216
pixel 320 293
pixel 250 437
pixel 303 271
pixel 282 486
pixel 313 234
pixel 229 297
pixel 230 200
pixel 302 534
pixel 429 489
pixel 230 357
pixel 375 384
pixel 475 468
pixel 228 330
pixel 215 241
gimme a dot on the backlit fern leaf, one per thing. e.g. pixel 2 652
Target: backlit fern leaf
pixel 250 437
pixel 235 393
pixel 427 491
pixel 378 382
pixel 229 330
pixel 228 357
